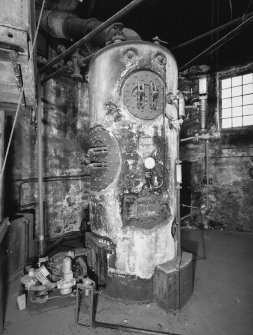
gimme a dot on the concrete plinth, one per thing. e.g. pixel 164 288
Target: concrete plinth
pixel 173 283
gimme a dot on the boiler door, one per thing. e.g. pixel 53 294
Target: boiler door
pixel 143 94
pixel 104 158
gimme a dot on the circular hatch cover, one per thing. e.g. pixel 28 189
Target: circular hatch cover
pixel 143 94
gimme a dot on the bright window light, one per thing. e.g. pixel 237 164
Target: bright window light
pixel 237 101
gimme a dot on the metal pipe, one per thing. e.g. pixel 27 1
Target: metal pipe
pixel 93 33
pixel 178 233
pixel 40 167
pixel 212 31
pixel 207 170
pixel 63 69
pixel 203 112
pixel 129 329
pixel 48 179
pixel 216 44
pixel 70 26
pixel 196 138
pixel 97 324
pixel 51 178
pixel 185 217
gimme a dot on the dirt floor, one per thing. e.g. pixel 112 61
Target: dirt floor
pixel 221 304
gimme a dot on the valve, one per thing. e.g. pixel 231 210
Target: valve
pixel 87 285
pixel 116 34
pixel 76 67
pixel 157 40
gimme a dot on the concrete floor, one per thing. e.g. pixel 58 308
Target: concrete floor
pixel 222 302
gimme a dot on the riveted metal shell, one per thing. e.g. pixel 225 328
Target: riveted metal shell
pixel 128 84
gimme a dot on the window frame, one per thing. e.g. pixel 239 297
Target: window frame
pixel 234 72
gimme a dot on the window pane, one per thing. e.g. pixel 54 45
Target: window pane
pixel 247 78
pixel 237 121
pixel 225 83
pixel 236 81
pixel 226 123
pixel 247 89
pixel 248 120
pixel 247 109
pixel 226 112
pixel 236 91
pixel 248 99
pixel 226 93
pixel 237 101
pixel 226 103
pixel 237 111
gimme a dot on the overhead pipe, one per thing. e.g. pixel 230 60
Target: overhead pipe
pixel 68 5
pixel 92 34
pixel 213 31
pixel 70 26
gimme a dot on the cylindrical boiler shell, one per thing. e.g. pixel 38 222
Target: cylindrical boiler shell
pixel 131 204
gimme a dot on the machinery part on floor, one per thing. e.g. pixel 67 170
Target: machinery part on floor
pixel 67 282
pixel 89 290
pixel 92 34
pixel 100 251
pixel 63 271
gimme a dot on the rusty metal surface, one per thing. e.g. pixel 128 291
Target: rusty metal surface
pixel 137 210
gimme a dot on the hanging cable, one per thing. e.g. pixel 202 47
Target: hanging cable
pixel 21 94
pixel 226 37
pixel 248 7
pixel 231 9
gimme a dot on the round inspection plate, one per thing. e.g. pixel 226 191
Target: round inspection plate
pixel 143 94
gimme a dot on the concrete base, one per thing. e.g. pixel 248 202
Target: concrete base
pixel 172 286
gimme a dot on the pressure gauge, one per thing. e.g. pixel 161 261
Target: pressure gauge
pixel 149 163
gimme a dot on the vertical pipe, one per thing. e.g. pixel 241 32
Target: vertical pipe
pixel 2 117
pixel 207 169
pixel 203 111
pixel 40 167
pixel 178 236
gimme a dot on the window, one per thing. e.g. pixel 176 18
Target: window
pixel 237 101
